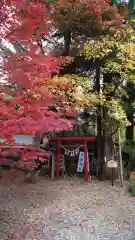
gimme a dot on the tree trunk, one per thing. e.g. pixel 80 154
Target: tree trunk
pixel 107 148
pixel 67 42
pixel 130 129
pixel 100 145
pixel 108 151
pixel 100 149
pixel 107 139
pixel 130 112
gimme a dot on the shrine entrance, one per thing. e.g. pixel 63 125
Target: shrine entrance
pixel 67 150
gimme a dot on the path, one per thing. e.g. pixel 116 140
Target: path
pixel 66 210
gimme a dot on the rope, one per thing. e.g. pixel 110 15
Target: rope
pixel 77 149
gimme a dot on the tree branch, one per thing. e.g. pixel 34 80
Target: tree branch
pixel 39 43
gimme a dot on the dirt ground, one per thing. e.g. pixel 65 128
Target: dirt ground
pixel 68 209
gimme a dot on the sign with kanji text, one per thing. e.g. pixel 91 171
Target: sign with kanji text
pixel 81 162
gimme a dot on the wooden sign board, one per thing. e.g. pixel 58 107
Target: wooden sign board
pixel 112 164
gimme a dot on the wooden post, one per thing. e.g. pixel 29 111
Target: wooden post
pixel 62 160
pixel 58 162
pixel 113 171
pixel 53 165
pixel 112 165
pixel 86 161
pixel 0 172
pixel 120 159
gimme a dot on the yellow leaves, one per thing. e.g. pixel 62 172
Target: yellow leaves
pixel 128 50
pixel 131 77
pixel 116 111
pixel 76 94
pixel 76 81
pixel 127 56
pixel 113 106
pixel 112 67
pixel 79 94
pixel 98 49
pixel 72 88
pixel 124 35
pixel 130 67
pixel 97 99
pixel 118 49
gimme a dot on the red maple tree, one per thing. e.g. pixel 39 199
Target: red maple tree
pixel 24 93
pixel 24 105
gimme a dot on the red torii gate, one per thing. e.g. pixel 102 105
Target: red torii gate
pixel 81 139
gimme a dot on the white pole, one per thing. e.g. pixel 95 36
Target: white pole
pixel 120 159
